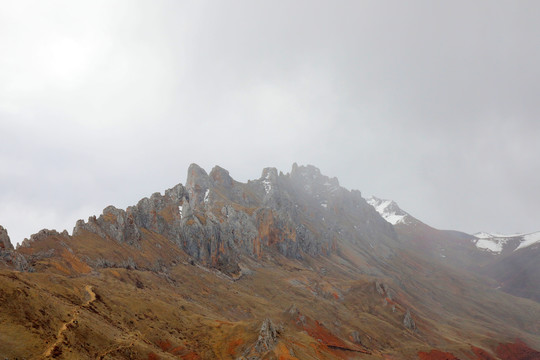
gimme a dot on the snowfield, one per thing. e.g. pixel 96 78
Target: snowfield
pixel 496 242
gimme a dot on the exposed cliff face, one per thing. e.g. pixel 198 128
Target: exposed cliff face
pixel 9 257
pixel 5 242
pixel 216 219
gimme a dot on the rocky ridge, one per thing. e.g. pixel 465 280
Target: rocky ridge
pixel 216 219
pixel 9 258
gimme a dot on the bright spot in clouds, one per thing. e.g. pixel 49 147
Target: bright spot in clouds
pixel 66 61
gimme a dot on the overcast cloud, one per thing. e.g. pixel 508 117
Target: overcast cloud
pixel 432 104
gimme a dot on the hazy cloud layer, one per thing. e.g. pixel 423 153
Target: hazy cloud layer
pixel 432 104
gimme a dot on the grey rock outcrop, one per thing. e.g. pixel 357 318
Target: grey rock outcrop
pixel 408 321
pixel 216 219
pixel 5 242
pixel 220 176
pixel 384 290
pixel 120 225
pixel 292 311
pixel 268 336
pixel 10 257
pixel 379 288
pixel 43 234
pixel 355 336
pixel 197 183
pixel 159 213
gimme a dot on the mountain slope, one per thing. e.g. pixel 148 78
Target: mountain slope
pixel 518 271
pixel 288 266
pixel 511 260
pixel 452 248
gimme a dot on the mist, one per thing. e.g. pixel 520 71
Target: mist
pixel 432 105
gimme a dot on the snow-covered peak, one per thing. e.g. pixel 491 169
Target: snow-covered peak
pixel 484 235
pixel 529 239
pixel 389 210
pixel 491 242
pixel 496 243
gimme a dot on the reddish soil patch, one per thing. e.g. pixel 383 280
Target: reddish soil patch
pixel 325 338
pixel 481 354
pixel 517 351
pixel 231 350
pixel 436 355
pixel 191 356
pixel 177 350
pixel 317 331
pixel 164 345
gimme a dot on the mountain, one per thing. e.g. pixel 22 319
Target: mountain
pixel 515 263
pixel 390 211
pixel 453 248
pixel 287 266
pixel 501 244
pixel 511 260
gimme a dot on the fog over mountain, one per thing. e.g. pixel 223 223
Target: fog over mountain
pixel 431 105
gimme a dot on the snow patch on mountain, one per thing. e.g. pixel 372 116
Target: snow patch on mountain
pixel 496 243
pixel 529 239
pixel 389 210
pixel 493 244
pixel 267 184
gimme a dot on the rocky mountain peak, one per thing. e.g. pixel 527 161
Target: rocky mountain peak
pixel 270 173
pixel 5 242
pixel 196 175
pixel 312 181
pixel 389 210
pixel 217 220
pixel 305 172
pixel 197 183
pixel 176 193
pixel 220 176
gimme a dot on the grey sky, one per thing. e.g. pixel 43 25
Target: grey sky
pixel 432 104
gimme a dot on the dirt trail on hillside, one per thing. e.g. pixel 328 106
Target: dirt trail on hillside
pixel 92 294
pixel 129 340
pixel 66 325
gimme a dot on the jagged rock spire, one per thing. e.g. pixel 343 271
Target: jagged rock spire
pixel 5 242
pixel 268 336
pixel 197 183
pixel 220 176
